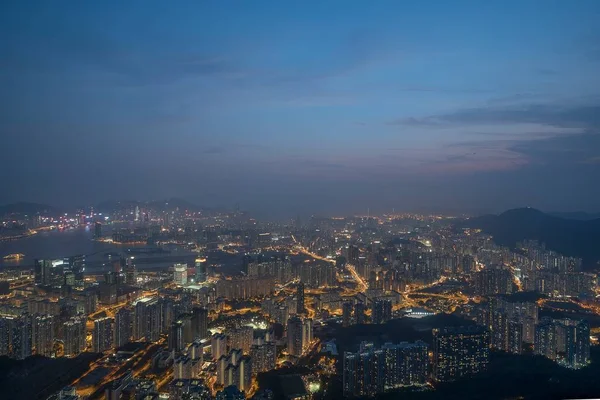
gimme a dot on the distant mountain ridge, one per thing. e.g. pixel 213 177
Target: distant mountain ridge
pixel 163 205
pixel 27 208
pixel 571 237
pixel 579 215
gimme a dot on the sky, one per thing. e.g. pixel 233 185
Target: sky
pixel 296 107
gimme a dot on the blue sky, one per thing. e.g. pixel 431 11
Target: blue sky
pixel 298 107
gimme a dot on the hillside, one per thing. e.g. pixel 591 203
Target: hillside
pixel 577 238
pixel 25 208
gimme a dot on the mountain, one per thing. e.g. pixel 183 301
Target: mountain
pixel 580 215
pixel 24 207
pixel 570 237
pixel 158 205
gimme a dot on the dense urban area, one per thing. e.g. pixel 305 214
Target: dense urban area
pixel 314 308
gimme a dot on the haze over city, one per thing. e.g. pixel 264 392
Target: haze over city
pixel 299 200
pixel 296 108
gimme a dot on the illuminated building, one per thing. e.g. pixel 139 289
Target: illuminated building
pixel 405 364
pixel 180 274
pixel 281 314
pixel 74 336
pixel 130 272
pixel 196 351
pixel 243 373
pixel 200 265
pixel 5 326
pixel 564 341
pixel 468 264
pixel 459 352
pixel 492 281
pixel 230 393
pixel 577 344
pixel 294 336
pixel 42 271
pixel 359 313
pixel 241 338
pixel 264 356
pixel 234 369
pixel 382 311
pixel 267 306
pixel 200 322
pixel 307 333
pixel 97 230
pixel 184 389
pixel 245 288
pixel 147 320
pixel 515 337
pixel 364 372
pixel 176 342
pixel 317 274
pixel 346 314
pixel 21 337
pixel 102 337
pixel 546 341
pixel 122 327
pixel 43 328
pixel 218 345
pixel 300 297
pixel 182 368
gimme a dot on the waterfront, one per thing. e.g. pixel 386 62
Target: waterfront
pixel 61 244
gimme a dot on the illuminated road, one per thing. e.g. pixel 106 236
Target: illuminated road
pixel 357 278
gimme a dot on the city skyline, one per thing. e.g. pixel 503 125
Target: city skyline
pixel 288 109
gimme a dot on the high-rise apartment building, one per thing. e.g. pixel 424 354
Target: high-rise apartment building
pixel 294 336
pixel 123 327
pixel 74 336
pixel 102 337
pixel 147 323
pixel 459 352
pixel 43 330
pixel 300 298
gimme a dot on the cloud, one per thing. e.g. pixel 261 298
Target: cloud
pixel 583 116
pixel 214 150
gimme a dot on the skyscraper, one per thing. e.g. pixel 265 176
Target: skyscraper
pixel 459 352
pixel 218 345
pixel 43 334
pixel 74 336
pixel 241 338
pixel 577 344
pixel 263 356
pixel 97 230
pixel 300 297
pixel 364 372
pixel 123 327
pixel 102 337
pixel 307 333
pixel 294 336
pixel 200 270
pixel 382 311
pixel 200 322
pixel 42 272
pixel 147 321
pixel 182 368
pixel 405 364
pixel 130 272
pixel 564 341
pixel 359 313
pixel 21 337
pixel 180 274
pixel 346 314
pixel 5 333
pixel 176 343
